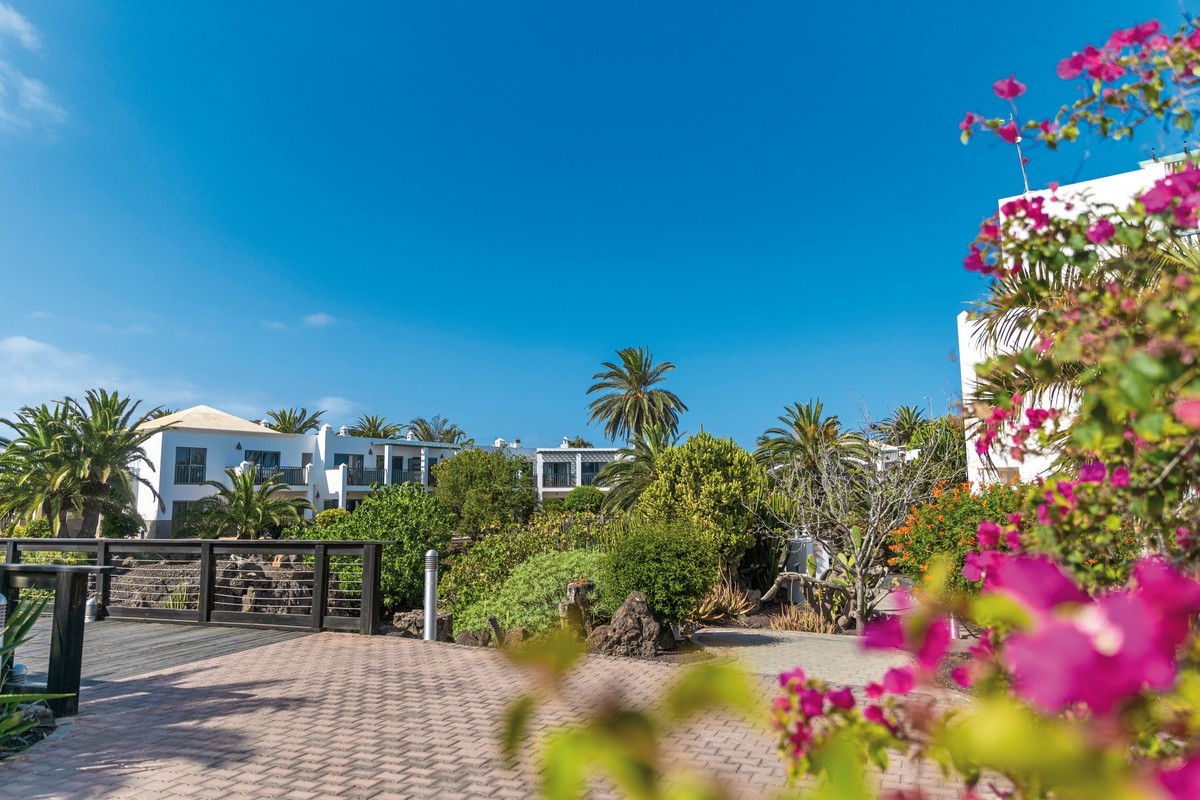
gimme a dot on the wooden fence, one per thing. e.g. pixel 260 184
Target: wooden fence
pixel 308 585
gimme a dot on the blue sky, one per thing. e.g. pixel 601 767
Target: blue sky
pixel 412 209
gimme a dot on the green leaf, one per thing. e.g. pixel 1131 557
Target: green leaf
pixel 707 687
pixel 564 763
pixel 515 726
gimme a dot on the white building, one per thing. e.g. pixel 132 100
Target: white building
pixel 1118 190
pixel 558 470
pixel 328 469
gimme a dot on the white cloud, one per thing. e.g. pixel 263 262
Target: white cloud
pixel 15 25
pixel 338 410
pixel 26 104
pixel 318 320
pixel 274 325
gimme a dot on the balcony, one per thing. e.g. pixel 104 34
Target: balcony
pixel 189 474
pixel 291 476
pixel 364 477
pixel 555 480
pixel 406 476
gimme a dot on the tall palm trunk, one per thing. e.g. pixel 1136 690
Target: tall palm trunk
pixel 93 502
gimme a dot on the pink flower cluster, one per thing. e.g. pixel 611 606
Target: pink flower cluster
pixel 1035 420
pixel 1130 637
pixel 1179 193
pixel 1059 500
pixel 926 639
pixel 806 711
pixel 1103 63
pixel 988 535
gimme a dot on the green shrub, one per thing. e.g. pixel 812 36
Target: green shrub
pixel 584 498
pixel 669 563
pixel 121 525
pixel 553 505
pixel 486 491
pixel 530 596
pixel 35 529
pixel 405 514
pixel 481 570
pixel 330 516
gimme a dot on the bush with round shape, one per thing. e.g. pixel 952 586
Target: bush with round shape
pixel 530 596
pixel 330 516
pixel 667 562
pixel 584 498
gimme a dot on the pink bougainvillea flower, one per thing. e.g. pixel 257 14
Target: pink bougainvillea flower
pixel 883 634
pixel 791 676
pixel 1008 88
pixel 1183 538
pixel 800 740
pixel 1034 581
pixel 841 698
pixel 875 714
pixel 1100 232
pixel 1187 411
pixel 1013 540
pixel 933 647
pixel 1009 133
pixel 874 690
pixel 812 702
pixel 961 676
pixel 969 121
pixel 899 680
pixel 782 703
pixel 977 564
pixel 988 534
pixel 1182 782
pixel 1071 67
pixel 1093 472
pixel 1120 477
pixel 1156 199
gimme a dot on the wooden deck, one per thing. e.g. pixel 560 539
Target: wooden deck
pixel 114 649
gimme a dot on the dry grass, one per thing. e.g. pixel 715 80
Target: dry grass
pixel 725 600
pixel 794 617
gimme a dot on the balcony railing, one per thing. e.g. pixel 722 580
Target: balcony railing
pixel 557 481
pixel 589 478
pixel 406 476
pixel 364 477
pixel 189 474
pixel 292 476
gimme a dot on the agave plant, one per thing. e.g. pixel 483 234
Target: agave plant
pixel 15 718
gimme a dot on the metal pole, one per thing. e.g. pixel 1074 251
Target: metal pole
pixel 431 575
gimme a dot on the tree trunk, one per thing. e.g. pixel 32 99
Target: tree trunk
pixel 89 526
pixel 860 604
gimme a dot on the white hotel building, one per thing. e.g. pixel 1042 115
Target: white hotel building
pixel 329 469
pixel 1118 190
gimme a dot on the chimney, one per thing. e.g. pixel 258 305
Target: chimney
pixel 565 442
pixel 342 431
pixel 499 443
pixel 516 442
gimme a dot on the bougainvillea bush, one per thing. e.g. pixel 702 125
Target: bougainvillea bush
pixel 1087 683
pixel 945 529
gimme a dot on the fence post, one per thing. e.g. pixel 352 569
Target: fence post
pixel 431 576
pixel 320 586
pixel 371 604
pixel 11 554
pixel 208 580
pixel 103 586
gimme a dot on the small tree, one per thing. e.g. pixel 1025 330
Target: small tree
pixel 850 506
pixel 669 563
pixel 485 491
pixel 405 514
pixel 708 483
pixel 243 508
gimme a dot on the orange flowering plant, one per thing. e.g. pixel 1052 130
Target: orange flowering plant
pixel 946 529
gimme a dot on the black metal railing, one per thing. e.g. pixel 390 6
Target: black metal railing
pixel 292 476
pixel 406 476
pixel 292 584
pixel 553 480
pixel 189 473
pixel 364 476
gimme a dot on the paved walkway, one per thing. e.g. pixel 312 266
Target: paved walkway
pixel 337 715
pixel 837 659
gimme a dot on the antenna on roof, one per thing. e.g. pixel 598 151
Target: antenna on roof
pixel 1153 155
pixel 1020 155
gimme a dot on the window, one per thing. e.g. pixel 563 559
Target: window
pixel 190 464
pixel 414 463
pixel 180 507
pixel 267 460
pixel 351 460
pixel 590 470
pixel 353 504
pixel 330 505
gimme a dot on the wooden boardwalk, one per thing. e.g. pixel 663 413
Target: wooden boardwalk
pixel 114 649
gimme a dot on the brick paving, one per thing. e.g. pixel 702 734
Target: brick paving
pixel 337 715
pixel 837 659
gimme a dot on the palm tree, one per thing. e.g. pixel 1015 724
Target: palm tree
pixel 437 429
pixel 903 425
pixel 805 431
pixel 579 441
pixel 373 427
pixel 32 479
pixel 243 508
pixel 105 441
pixel 289 420
pixel 635 468
pixel 631 406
